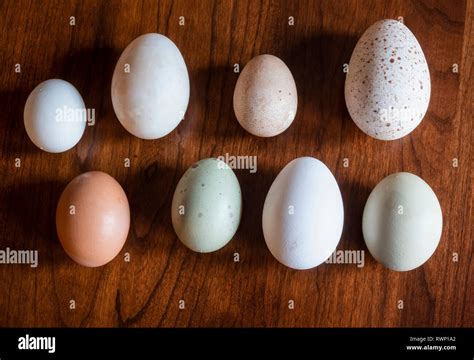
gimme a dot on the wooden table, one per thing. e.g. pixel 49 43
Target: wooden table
pixel 257 290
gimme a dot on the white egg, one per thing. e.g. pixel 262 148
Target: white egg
pixel 55 116
pixel 303 214
pixel 150 87
pixel 402 222
pixel 388 85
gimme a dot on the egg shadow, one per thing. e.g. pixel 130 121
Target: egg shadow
pixel 210 108
pixel 16 142
pixel 91 71
pixel 29 208
pixel 317 64
pixel 249 237
pixel 355 195
pixel 150 192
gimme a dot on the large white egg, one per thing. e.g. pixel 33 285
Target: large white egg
pixel 55 116
pixel 402 222
pixel 303 214
pixel 150 87
pixel 388 85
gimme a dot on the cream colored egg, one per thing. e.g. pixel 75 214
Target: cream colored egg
pixel 265 98
pixel 150 87
pixel 388 85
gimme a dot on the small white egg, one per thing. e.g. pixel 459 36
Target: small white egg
pixel 55 116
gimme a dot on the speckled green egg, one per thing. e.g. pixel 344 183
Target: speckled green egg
pixel 207 206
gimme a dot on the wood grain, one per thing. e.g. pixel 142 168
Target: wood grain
pixel 216 290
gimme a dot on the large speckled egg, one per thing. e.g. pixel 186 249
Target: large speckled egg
pixel 265 98
pixel 388 85
pixel 207 205
pixel 303 214
pixel 402 222
pixel 93 218
pixel 150 87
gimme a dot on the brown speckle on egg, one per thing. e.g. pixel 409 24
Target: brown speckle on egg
pixel 375 81
pixel 260 108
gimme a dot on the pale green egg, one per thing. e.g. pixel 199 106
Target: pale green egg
pixel 207 206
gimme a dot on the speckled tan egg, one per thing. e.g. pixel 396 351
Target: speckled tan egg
pixel 265 98
pixel 93 218
pixel 388 85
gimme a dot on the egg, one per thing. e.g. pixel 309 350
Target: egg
pixel 150 87
pixel 55 116
pixel 207 206
pixel 303 214
pixel 93 218
pixel 402 222
pixel 388 85
pixel 265 98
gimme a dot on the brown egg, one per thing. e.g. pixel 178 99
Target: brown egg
pixel 265 99
pixel 93 218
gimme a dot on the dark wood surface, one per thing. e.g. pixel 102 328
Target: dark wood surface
pixel 217 291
